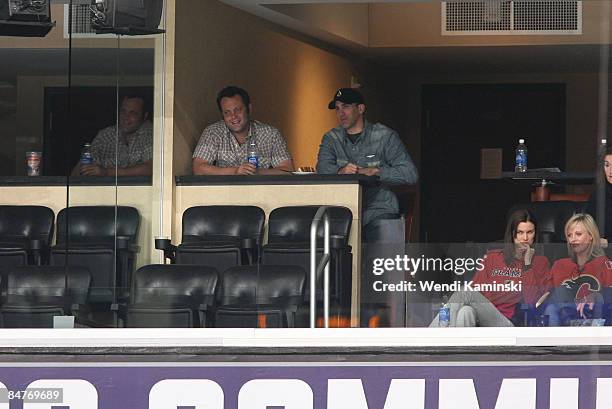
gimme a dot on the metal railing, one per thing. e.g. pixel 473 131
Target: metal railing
pixel 315 269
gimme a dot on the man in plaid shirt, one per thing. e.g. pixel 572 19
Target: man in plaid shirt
pixel 223 146
pixel 128 152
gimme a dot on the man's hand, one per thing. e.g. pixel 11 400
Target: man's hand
pixel 246 169
pixel 604 242
pixel 368 171
pixel 349 169
pixel 92 170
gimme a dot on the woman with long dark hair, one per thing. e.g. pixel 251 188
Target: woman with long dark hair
pixel 591 207
pixel 515 263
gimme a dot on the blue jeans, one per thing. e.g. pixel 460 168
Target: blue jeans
pixel 561 307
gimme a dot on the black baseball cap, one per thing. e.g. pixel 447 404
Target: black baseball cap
pixel 348 96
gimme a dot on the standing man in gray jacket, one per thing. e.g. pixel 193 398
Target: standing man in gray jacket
pixel 358 146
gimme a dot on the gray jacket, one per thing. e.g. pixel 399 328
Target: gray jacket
pixel 378 146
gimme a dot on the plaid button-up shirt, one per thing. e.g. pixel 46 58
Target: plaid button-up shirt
pixel 218 146
pixel 135 150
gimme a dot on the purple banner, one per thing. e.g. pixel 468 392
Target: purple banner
pixel 308 386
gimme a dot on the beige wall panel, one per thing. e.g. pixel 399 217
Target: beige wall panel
pixel 163 183
pixel 419 25
pixel 349 21
pixel 54 197
pixel 290 81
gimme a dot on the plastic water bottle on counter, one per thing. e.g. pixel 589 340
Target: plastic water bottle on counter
pixel 86 157
pixel 444 314
pixel 521 157
pixel 253 156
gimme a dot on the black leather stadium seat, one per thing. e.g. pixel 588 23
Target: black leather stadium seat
pixel 259 296
pixel 171 296
pixel 221 236
pixel 289 244
pixel 90 236
pixel 551 217
pixel 25 234
pixel 34 295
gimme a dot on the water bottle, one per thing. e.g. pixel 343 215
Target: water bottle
pixel 444 314
pixel 86 157
pixel 253 156
pixel 521 157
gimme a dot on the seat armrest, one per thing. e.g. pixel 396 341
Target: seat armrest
pixel 205 314
pixel 337 241
pixel 250 247
pixel 36 247
pixel 247 243
pixel 167 247
pixel 79 311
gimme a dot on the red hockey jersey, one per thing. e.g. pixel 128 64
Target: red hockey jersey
pixel 533 281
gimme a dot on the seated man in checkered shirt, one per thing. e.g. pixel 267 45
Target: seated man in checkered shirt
pixel 223 146
pixel 129 155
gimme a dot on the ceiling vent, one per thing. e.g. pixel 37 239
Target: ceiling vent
pixel 81 22
pixel 518 17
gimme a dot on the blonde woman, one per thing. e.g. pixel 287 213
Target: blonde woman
pixel 577 281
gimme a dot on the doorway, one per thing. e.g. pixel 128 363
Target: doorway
pixel 457 122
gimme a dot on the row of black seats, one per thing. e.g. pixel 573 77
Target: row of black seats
pixel 101 238
pixel 228 236
pixel 163 296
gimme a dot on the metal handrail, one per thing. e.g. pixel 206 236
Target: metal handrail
pixel 324 265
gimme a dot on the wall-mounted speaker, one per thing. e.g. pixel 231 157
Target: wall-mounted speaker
pixel 25 18
pixel 29 10
pixel 127 17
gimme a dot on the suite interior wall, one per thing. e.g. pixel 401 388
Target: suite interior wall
pixel 290 81
pixel 395 99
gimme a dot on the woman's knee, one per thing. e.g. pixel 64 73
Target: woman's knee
pixel 466 317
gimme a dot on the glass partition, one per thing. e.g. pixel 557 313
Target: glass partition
pixel 111 181
pixel 84 121
pixel 77 122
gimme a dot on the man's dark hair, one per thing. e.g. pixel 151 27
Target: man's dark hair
pixel 232 91
pixel 146 102
pixel 518 216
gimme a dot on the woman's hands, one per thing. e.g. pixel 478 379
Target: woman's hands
pixel 525 252
pixel 588 301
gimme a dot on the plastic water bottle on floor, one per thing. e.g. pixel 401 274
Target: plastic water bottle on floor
pixel 521 157
pixel 444 314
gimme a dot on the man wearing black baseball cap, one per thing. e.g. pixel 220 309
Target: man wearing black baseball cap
pixel 357 146
pixel 348 96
